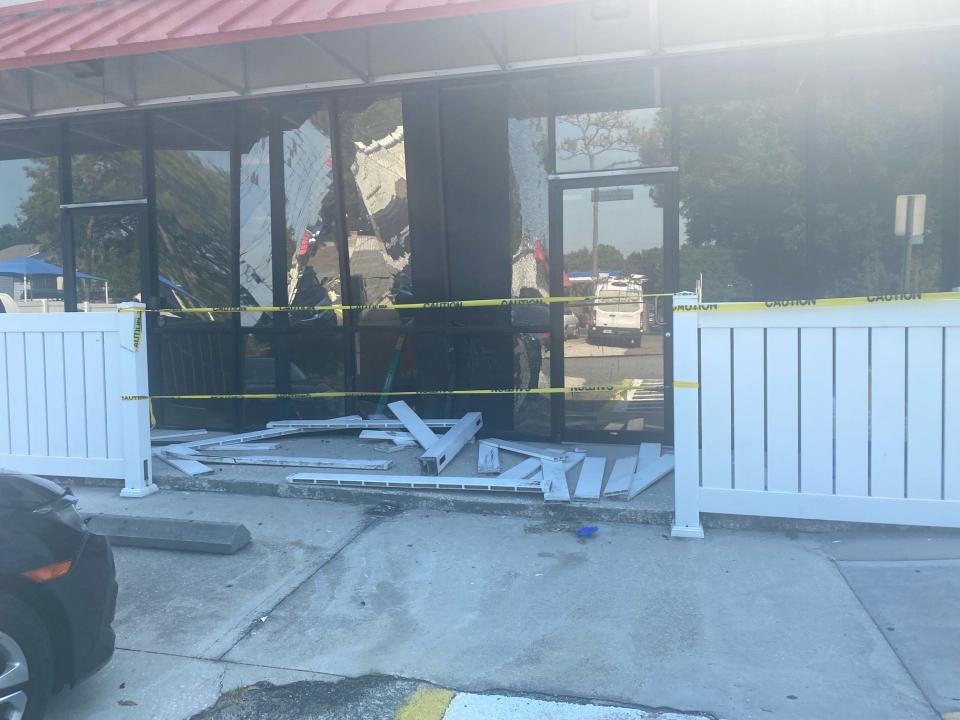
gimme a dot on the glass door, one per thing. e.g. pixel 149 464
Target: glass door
pixel 617 240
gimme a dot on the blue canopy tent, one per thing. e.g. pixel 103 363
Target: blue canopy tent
pixel 31 266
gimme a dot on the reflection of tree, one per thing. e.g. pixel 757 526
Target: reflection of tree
pixel 193 200
pixel 741 192
pixel 594 135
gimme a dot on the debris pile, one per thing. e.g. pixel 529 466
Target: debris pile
pixel 542 470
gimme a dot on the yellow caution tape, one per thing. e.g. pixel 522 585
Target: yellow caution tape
pixel 439 305
pixel 686 384
pixel 137 331
pixel 826 302
pixel 400 393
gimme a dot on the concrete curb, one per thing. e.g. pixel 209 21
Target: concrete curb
pixel 485 504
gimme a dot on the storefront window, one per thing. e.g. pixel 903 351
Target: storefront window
pixel 378 225
pixel 194 245
pixel 256 248
pixel 316 365
pixel 313 259
pixel 873 146
pixel 742 198
pixel 29 214
pixel 107 160
pixel 196 363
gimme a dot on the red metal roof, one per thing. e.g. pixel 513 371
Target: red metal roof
pixel 58 31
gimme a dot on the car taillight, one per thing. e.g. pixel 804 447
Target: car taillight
pixel 48 572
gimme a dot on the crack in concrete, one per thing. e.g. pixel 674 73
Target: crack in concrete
pixel 372 521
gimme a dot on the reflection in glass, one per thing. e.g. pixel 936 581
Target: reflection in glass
pixel 613 248
pixel 387 361
pixel 107 249
pixel 529 218
pixel 874 144
pixel 107 163
pixel 256 259
pixel 531 370
pixel 193 211
pixel 742 201
pixel 378 226
pixel 30 216
pixel 313 261
pixel 612 140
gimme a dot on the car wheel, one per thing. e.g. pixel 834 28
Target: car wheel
pixel 26 662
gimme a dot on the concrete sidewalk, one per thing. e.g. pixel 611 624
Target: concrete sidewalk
pixel 745 624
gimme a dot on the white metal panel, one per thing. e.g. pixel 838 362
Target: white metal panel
pixel 95 393
pixel 423 435
pixel 887 412
pixel 686 419
pixel 522 470
pixel 951 414
pixel 591 479
pixel 715 410
pixel 36 392
pixel 646 475
pixel 620 475
pixel 76 401
pixel 924 412
pixel 783 414
pixel 4 400
pixel 748 409
pixel 816 410
pixel 55 381
pixel 17 394
pixel 853 411
pixel 555 485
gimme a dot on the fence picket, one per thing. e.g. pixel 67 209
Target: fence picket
pixel 17 394
pixel 887 412
pixel 853 411
pixel 816 410
pixel 951 414
pixel 93 377
pixel 748 409
pixel 783 453
pixel 715 407
pixel 75 400
pixel 56 393
pixel 36 392
pixel 924 412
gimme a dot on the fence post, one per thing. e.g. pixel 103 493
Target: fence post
pixel 686 419
pixel 135 414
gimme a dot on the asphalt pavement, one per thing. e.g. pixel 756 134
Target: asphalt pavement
pixel 343 610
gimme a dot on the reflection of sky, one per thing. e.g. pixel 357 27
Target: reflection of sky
pixel 15 186
pixel 629 225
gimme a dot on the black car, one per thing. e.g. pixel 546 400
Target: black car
pixel 58 593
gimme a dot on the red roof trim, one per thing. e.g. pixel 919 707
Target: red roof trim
pixel 106 30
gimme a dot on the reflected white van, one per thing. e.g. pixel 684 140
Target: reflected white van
pixel 619 315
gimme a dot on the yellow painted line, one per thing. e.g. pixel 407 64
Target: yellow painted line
pixel 427 703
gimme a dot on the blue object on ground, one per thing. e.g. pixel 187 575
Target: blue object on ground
pixel 586 531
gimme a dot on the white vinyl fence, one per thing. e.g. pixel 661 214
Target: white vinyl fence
pixel 62 378
pixel 819 411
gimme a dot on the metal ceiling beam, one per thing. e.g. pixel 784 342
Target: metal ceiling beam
pixel 99 90
pixel 339 59
pixel 200 70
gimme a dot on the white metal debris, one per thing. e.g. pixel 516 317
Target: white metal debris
pixel 591 479
pixel 446 448
pixel 522 449
pixel 354 423
pixel 187 467
pixel 311 462
pixel 621 475
pixel 249 447
pixel 524 469
pixel 488 459
pixel 555 484
pixel 161 435
pixel 412 422
pixel 415 482
pixel 398 437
